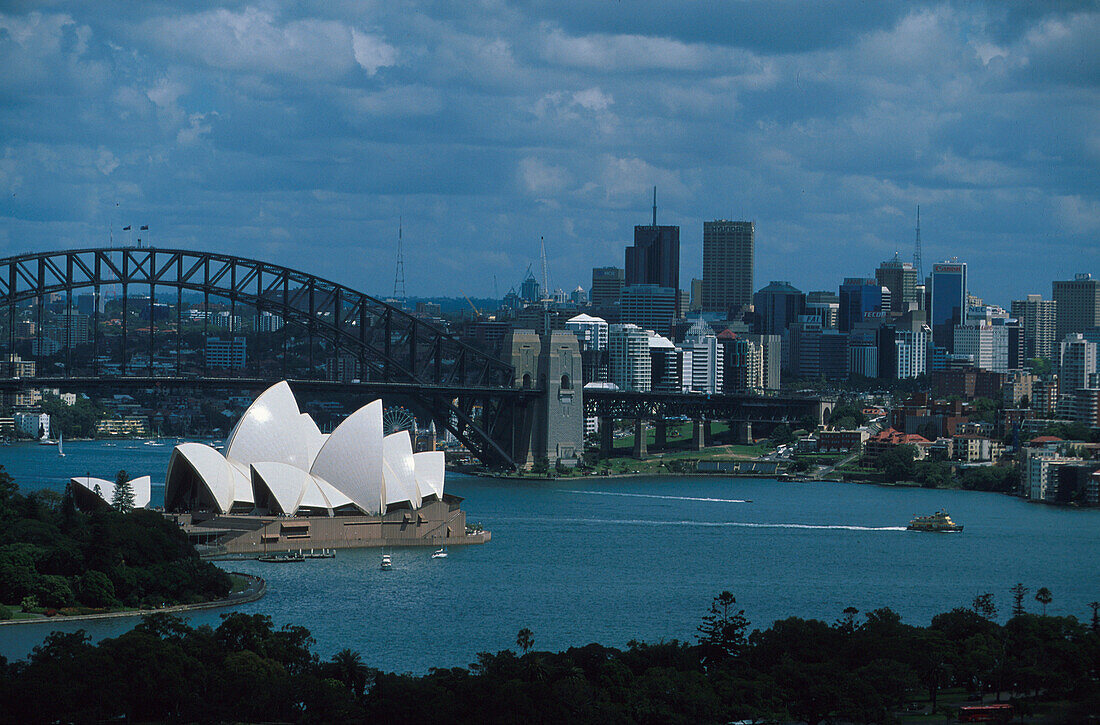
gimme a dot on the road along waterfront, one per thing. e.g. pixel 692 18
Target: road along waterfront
pixel 608 561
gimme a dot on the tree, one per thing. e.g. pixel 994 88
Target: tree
pixel 722 633
pixel 1018 593
pixel 525 639
pixel 782 435
pixel 983 605
pixel 1095 616
pixel 1044 597
pixel 349 669
pixel 897 463
pixel 123 499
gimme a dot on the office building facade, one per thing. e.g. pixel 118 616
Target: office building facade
pixel 1078 305
pixel 949 302
pixel 777 307
pixel 649 306
pixel 728 254
pixel 901 279
pixel 607 286
pixel 1038 319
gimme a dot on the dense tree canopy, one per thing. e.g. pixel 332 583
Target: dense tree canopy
pixel 53 556
pixel 855 670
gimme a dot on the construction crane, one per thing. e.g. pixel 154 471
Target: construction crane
pixel 472 305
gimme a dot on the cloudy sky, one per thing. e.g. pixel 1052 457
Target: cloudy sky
pixel 300 132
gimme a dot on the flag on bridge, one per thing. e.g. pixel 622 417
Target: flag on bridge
pixel 126 228
pixel 144 227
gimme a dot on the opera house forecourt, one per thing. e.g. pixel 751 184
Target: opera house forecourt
pixel 284 485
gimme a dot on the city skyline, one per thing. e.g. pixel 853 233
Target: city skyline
pixel 490 128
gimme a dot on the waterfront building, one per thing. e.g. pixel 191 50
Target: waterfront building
pixel 34 425
pixel 842 441
pixel 949 302
pixel 728 250
pixel 649 306
pixel 1038 323
pixel 628 357
pixel 901 278
pixel 126 425
pixel 777 306
pixel 701 360
pixel 1078 305
pixel 607 286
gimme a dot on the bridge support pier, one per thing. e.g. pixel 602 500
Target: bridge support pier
pixel 742 432
pixel 607 440
pixel 660 435
pixel 697 435
pixel 640 450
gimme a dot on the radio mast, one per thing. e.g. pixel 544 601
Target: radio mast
pixel 916 249
pixel 399 273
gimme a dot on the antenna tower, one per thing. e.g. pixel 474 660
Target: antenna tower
pixel 545 270
pixel 399 273
pixel 916 249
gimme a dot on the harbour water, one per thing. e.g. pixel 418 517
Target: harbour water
pixel 621 559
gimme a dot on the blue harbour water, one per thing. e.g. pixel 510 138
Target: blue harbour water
pixel 621 559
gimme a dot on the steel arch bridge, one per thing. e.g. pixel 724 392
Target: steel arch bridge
pixel 370 343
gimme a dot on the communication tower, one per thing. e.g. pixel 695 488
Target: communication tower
pixel 399 273
pixel 916 249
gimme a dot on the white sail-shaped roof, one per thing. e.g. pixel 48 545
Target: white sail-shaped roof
pixel 429 468
pixel 283 482
pixel 336 498
pixel 143 491
pixel 351 459
pixel 270 430
pixel 219 477
pixel 398 469
pixel 313 437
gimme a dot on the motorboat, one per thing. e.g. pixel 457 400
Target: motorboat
pixel 387 563
pixel 938 522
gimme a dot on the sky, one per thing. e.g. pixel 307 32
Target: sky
pixel 300 133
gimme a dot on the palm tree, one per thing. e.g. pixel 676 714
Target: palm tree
pixel 349 669
pixel 1043 596
pixel 1095 616
pixel 525 639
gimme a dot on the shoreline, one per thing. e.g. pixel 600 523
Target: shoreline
pixel 256 590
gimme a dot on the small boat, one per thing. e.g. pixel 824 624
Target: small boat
pixel 938 522
pixel 387 563
pixel 61 444
pixel 440 553
pixel 288 558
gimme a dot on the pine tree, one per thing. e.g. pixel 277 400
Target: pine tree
pixel 1018 593
pixel 722 633
pixel 123 500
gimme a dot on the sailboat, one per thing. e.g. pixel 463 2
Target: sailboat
pixel 61 444
pixel 440 553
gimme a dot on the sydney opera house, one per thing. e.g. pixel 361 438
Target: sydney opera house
pixel 90 492
pixel 280 484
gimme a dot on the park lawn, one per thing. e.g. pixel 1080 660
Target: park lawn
pixel 239 584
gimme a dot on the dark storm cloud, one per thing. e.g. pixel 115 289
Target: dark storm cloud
pixel 300 132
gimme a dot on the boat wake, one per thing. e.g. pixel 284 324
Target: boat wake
pixel 670 498
pixel 722 524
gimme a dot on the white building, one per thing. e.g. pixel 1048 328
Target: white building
pixel 628 356
pixel 1077 362
pixel 591 331
pixel 701 360
pixel 664 364
pixel 911 349
pixel 985 345
pixel 34 425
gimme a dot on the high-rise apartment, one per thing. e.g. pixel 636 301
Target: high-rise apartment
pixel 948 308
pixel 1078 305
pixel 728 252
pixel 630 364
pixel 1037 320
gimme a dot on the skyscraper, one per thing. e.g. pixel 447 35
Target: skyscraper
pixel 857 297
pixel 607 285
pixel 948 307
pixel 901 278
pixel 1078 305
pixel 655 256
pixel 650 306
pixel 1037 318
pixel 777 306
pixel 728 252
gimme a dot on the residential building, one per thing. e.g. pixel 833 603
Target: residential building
pixel 728 249
pixel 770 347
pixel 985 345
pixel 229 354
pixel 842 441
pixel 742 363
pixel 1077 363
pixel 1038 323
pixel 974 448
pixel 1078 305
pixel 889 439
pixel 628 357
pixel 664 365
pixel 701 360
pixel 591 335
pixel 34 425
